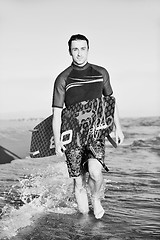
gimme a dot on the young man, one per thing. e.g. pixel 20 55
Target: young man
pixel 79 82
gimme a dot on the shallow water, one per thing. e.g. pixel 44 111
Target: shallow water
pixel 37 202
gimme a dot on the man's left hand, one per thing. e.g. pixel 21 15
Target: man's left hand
pixel 119 136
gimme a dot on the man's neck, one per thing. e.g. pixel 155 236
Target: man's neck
pixel 80 66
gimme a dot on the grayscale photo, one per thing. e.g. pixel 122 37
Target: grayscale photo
pixel 79 120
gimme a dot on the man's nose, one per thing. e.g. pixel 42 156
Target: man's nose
pixel 79 52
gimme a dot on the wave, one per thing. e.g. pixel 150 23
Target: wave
pixel 46 190
pixel 153 144
pixel 154 121
pixel 143 121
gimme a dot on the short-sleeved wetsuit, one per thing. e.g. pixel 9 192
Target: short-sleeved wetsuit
pixel 76 84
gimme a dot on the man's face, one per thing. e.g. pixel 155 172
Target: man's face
pixel 79 52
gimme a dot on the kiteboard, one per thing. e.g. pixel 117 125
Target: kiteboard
pixel 81 123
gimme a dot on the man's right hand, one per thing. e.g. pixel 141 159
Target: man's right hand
pixel 56 131
pixel 60 149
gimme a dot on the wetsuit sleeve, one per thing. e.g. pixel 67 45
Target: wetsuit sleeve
pixel 59 92
pixel 107 89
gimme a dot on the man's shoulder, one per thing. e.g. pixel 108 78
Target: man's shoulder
pixel 65 73
pixel 100 69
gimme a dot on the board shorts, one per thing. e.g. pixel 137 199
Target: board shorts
pixel 77 158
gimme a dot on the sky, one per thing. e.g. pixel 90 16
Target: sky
pixel 124 38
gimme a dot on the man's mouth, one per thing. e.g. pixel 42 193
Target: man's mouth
pixel 80 59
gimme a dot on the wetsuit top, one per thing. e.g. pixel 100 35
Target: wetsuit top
pixel 76 84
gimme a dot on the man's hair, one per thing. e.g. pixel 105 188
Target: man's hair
pixel 77 37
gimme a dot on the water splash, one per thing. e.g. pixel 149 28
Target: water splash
pixel 47 190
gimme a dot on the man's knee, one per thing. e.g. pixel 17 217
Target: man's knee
pixel 95 169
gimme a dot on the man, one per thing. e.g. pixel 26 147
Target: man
pixel 79 82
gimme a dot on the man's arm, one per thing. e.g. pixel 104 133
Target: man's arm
pixel 56 126
pixel 118 132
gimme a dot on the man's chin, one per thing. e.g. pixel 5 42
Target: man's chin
pixel 80 63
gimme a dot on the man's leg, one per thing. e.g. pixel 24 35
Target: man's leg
pixel 95 183
pixel 74 159
pixel 81 194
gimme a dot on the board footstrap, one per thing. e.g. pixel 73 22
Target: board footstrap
pixel 114 144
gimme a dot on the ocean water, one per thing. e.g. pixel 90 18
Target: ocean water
pixel 37 199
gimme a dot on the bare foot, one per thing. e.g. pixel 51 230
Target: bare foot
pixel 82 200
pixel 98 209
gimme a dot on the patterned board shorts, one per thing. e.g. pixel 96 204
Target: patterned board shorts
pixel 77 159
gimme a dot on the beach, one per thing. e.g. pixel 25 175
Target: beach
pixel 37 199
